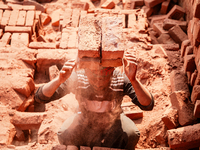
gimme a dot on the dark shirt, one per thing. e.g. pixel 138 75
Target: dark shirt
pixel 78 84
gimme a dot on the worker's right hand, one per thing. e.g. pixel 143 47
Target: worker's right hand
pixel 66 70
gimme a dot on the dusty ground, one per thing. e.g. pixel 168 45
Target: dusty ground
pixel 153 71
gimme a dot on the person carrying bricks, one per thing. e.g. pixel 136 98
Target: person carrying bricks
pixel 100 120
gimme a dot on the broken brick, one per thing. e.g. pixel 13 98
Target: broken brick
pixel 89 42
pixel 184 44
pixel 45 18
pixel 189 63
pixel 60 147
pixel 72 147
pixel 179 99
pixel 21 18
pixel 184 137
pixel 26 121
pixel 5 39
pixel 169 23
pixel 134 114
pixel 30 18
pixel 176 12
pixel 108 4
pixel 170 118
pixel 112 38
pixel 84 148
pixel 55 16
pixel 195 93
pixel 197 109
pixel 177 34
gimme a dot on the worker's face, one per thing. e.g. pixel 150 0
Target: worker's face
pixel 100 79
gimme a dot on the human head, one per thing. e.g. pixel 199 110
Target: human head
pixel 99 78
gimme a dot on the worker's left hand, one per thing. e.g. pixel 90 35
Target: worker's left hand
pixel 130 66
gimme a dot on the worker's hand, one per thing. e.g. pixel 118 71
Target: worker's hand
pixel 66 70
pixel 130 66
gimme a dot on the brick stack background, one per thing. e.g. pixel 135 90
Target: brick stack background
pixel 26 54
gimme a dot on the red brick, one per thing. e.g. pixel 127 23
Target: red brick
pixel 112 38
pixel 170 47
pixel 184 137
pixel 188 50
pixel 53 72
pixel 5 7
pixel 147 10
pixel 193 78
pixel 84 148
pixel 20 40
pixel 179 82
pixel 189 63
pixel 73 40
pixel 165 38
pixel 67 18
pixel 1 14
pixel 190 30
pixel 38 6
pixel 21 18
pixel 196 9
pixel 128 4
pixel 138 2
pixel 89 42
pixel 1 33
pixel 42 45
pixel 45 18
pixel 197 109
pixel 55 16
pixel 195 94
pixel 75 17
pixel 100 148
pixel 184 44
pixel 177 34
pixel 30 18
pixel 134 114
pixel 169 23
pixel 26 121
pixel 80 5
pixel 131 20
pixel 28 7
pixel 5 18
pixel 196 31
pixel 157 19
pixel 152 3
pixel 19 135
pixel 26 103
pixel 64 40
pixel 123 19
pixel 176 12
pixel 18 29
pixel 164 7
pixel 158 27
pixel 109 4
pixel 111 62
pixel 60 147
pixel 170 118
pixel 180 100
pixel 5 39
pixel 72 147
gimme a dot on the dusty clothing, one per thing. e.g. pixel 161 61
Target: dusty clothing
pixel 100 121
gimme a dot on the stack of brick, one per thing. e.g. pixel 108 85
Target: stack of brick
pixel 169 26
pixel 101 41
pixel 17 23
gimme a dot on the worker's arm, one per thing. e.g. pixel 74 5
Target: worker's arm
pixel 143 95
pixel 45 92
